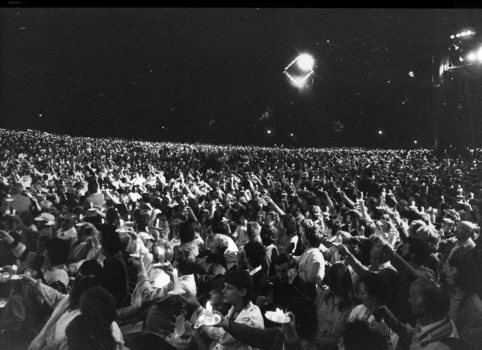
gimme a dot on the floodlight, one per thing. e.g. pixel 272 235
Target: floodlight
pixel 305 62
pixel 457 35
pixel 452 36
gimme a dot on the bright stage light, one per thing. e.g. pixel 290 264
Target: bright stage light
pixel 463 34
pixel 305 62
pixel 458 35
pixel 452 36
pixel 380 132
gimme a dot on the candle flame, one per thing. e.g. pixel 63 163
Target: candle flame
pixel 209 306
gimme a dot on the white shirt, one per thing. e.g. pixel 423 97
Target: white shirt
pixel 71 233
pixel 312 266
pixel 222 340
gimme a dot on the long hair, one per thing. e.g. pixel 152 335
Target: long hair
pixel 339 281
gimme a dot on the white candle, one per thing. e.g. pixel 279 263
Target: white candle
pixel 129 217
pixel 81 217
pixel 157 222
pixel 91 204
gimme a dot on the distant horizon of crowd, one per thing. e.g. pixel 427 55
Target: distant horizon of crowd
pixel 128 244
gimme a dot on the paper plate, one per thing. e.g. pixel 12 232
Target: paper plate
pixel 176 292
pixel 160 264
pixel 123 230
pixel 276 317
pixel 204 320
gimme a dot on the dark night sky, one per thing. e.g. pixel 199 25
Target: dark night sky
pixel 210 74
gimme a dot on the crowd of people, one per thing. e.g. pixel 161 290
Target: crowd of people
pixel 123 244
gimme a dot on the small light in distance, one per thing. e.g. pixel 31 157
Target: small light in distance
pixel 40 115
pixel 411 74
pixel 292 134
pixel 305 62
pixel 268 131
pixel 415 142
pixel 452 36
pixel 380 132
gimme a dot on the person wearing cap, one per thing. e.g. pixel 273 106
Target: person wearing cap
pixel 45 224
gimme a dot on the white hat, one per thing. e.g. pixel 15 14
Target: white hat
pixel 48 218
